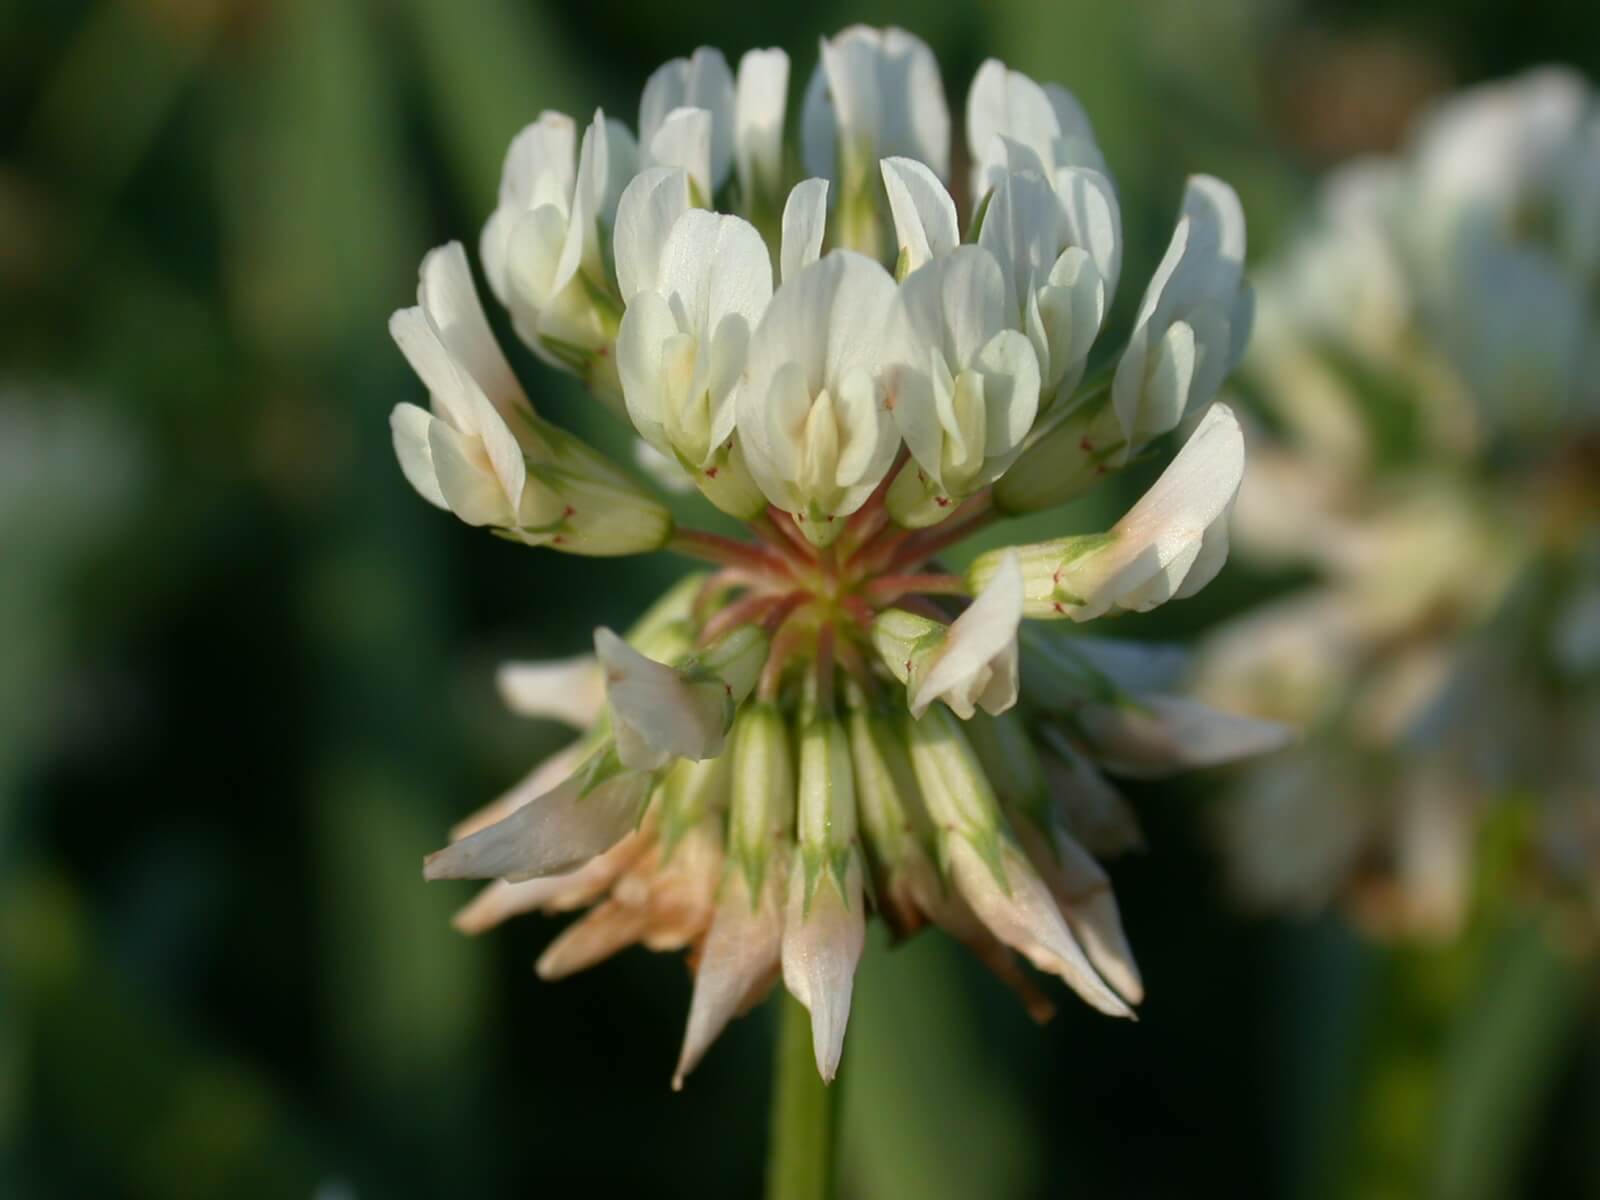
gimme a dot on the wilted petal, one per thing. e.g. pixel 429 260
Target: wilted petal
pixel 822 943
pixel 1022 914
pixel 741 955
pixel 501 900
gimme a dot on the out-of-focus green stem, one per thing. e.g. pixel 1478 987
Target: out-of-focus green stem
pixel 1506 1049
pixel 1465 1040
pixel 801 1140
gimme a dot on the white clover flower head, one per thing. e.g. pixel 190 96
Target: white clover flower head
pixel 1431 457
pixel 830 723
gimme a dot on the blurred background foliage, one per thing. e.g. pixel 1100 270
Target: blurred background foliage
pixel 245 675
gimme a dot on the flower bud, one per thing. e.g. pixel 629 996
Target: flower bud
pixel 825 923
pixel 988 869
pixel 1168 546
pixel 1193 322
pixel 875 94
pixel 743 946
pixel 1079 885
pixel 1068 461
pixel 761 808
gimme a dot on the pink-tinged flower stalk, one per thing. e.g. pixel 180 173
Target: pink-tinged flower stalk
pixel 830 724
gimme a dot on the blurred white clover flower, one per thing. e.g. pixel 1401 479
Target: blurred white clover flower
pixel 824 722
pixel 1428 351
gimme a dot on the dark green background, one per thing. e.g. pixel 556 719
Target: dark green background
pixel 246 683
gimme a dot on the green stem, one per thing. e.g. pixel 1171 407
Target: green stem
pixel 800 1149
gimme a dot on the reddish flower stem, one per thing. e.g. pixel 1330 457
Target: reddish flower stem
pixel 791 636
pixel 745 610
pixel 888 588
pixel 775 520
pixel 729 552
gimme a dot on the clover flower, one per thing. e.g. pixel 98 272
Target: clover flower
pixel 1429 352
pixel 829 721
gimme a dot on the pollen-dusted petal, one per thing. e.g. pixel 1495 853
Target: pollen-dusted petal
pixel 1023 915
pixel 822 943
pixel 741 951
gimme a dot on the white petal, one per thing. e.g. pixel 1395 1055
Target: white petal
pixel 883 93
pixel 701 81
pixel 646 327
pixel 714 266
pixel 550 835
pixel 1157 735
pixel 539 171
pixel 1024 228
pixel 821 947
pixel 653 200
pixel 1197 282
pixel 466 480
pixel 449 299
pixel 761 100
pixel 1093 219
pixel 570 690
pixel 979 638
pixel 1010 370
pixel 546 775
pixel 408 425
pixel 684 140
pixel 805 219
pixel 1160 538
pixel 924 214
pixel 654 704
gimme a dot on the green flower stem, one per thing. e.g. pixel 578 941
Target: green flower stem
pixel 1470 1037
pixel 801 1141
